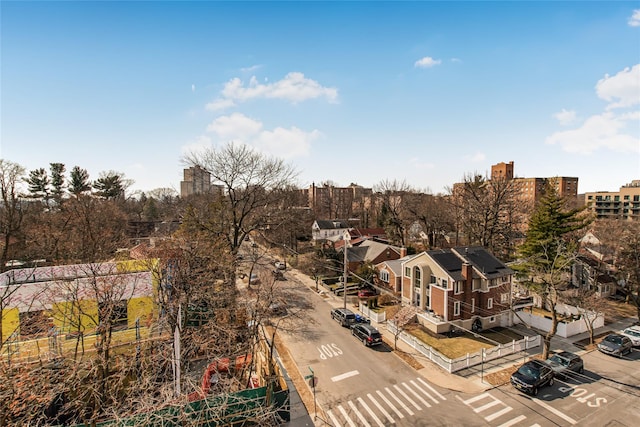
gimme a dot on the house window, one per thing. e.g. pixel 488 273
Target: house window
pixel 476 284
pixel 34 324
pixel 457 287
pixel 384 276
pixel 445 283
pixel 492 319
pixel 432 279
pixel 416 277
pixel 505 279
pixel 490 303
pixel 504 298
pixel 113 313
pixel 407 271
pixel 473 305
pixel 456 308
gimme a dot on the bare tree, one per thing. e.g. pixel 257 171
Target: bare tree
pixel 391 195
pixel 11 207
pixel 628 263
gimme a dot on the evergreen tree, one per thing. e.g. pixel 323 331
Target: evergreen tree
pixel 110 185
pixel 79 181
pixel 38 184
pixel 549 251
pixel 57 180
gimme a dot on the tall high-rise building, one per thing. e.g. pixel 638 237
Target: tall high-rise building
pixel 196 181
pixel 624 204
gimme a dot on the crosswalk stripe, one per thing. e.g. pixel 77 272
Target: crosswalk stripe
pixel 487 406
pixel 432 389
pixel 333 418
pixel 399 390
pixel 535 425
pixel 364 421
pixel 373 415
pixel 384 411
pixel 405 407
pixel 475 399
pixel 424 402
pixel 513 421
pixel 423 391
pixel 346 416
pixel 498 414
pixel 383 397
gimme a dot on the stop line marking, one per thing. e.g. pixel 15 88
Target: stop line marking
pixel 344 376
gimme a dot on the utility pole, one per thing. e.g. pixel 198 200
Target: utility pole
pixel 347 238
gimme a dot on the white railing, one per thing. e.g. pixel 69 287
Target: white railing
pixel 471 359
pixel 371 314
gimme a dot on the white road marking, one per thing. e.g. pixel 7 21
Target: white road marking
pixel 384 411
pixel 475 399
pixel 425 393
pixel 383 397
pixel 555 411
pixel 346 416
pixel 487 406
pixel 373 415
pixel 432 389
pixel 333 418
pixel 513 421
pixel 416 395
pixel 344 376
pixel 406 408
pixel 399 390
pixel 498 414
pixel 364 421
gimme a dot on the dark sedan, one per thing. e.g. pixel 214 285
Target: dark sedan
pixel 531 376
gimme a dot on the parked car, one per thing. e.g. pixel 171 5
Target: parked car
pixel 531 376
pixel 367 334
pixel 616 345
pixel 366 293
pixel 565 363
pixel 344 316
pixel 633 333
pixel 280 265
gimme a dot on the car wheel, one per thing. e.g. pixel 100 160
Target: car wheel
pixel 534 392
pixel 364 341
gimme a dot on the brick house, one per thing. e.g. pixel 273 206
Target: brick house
pixel 463 286
pixel 390 273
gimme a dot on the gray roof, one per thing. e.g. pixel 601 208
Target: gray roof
pixel 395 265
pixel 331 224
pixel 484 263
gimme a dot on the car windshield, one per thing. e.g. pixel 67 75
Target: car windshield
pixel 559 360
pixel 529 371
pixel 351 316
pixel 632 332
pixel 614 339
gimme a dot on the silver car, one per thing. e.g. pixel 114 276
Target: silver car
pixel 615 345
pixel 633 333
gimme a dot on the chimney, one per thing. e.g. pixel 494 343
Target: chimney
pixel 403 252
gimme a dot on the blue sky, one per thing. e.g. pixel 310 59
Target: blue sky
pixel 359 92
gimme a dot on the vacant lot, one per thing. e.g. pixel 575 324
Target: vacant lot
pixel 459 346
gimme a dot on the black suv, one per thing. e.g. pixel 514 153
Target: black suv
pixel 367 334
pixel 344 316
pixel 565 363
pixel 531 376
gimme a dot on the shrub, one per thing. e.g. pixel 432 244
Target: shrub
pixel 386 299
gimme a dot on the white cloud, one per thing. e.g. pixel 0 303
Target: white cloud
pixel 201 142
pixel 280 142
pixel 220 104
pixel 250 69
pixel 565 117
pixel 603 131
pixel 235 126
pixel 622 90
pixel 294 87
pixel 286 143
pixel 634 20
pixel 427 62
pixel 476 158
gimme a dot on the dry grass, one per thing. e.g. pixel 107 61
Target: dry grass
pixel 461 345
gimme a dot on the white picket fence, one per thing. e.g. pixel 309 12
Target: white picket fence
pixel 373 315
pixel 471 359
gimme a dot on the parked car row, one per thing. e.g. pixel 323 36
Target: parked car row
pixel 535 374
pixel 360 327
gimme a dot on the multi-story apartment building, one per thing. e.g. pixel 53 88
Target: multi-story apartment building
pixel 624 204
pixel 328 201
pixel 196 181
